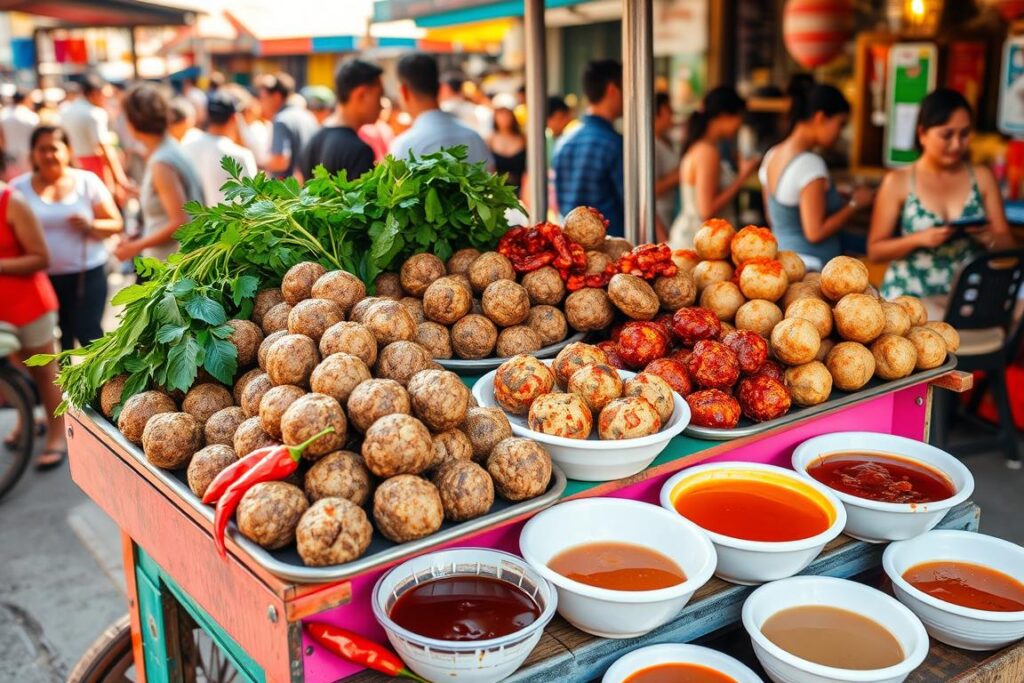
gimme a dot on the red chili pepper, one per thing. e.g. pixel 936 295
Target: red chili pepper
pixel 280 462
pixel 359 650
pixel 232 473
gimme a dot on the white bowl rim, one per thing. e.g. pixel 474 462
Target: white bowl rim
pixel 808 543
pixel 895 548
pixel 801 460
pixel 911 660
pixel 467 646
pixel 679 421
pixel 693 581
pixel 687 653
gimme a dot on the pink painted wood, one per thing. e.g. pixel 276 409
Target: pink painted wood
pixel 902 413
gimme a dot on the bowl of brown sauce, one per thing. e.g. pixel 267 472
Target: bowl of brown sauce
pixel 967 588
pixel 893 488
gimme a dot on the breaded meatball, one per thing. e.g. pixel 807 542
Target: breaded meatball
pixel 269 512
pixel 337 375
pixel 657 391
pixel 843 275
pixel 826 346
pixel 466 490
pixel 246 337
pixel 307 417
pixel 895 357
pixel 859 318
pixel 708 272
pixel 401 360
pixel 419 271
pixel 297 283
pixel 291 360
pixel 549 323
pixel 794 266
pixel 723 299
pixel 415 308
pixel 573 357
pixel 597 384
pixel 439 398
pixel 814 311
pixel 586 226
pixel 487 268
pixel 674 372
pixel 485 427
pixel 520 468
pixel 544 286
pixel 633 296
pixel 362 307
pixel 809 384
pixel 690 325
pixel 948 332
pixel 344 289
pixel 915 309
pixel 598 262
pixel 897 320
pixel 397 444
pixel 641 342
pixel 461 260
pixel 518 339
pixel 375 398
pixel 389 321
pixel 170 439
pixel 564 415
pixel 446 300
pixel 628 418
pixel 713 408
pixel 762 279
pixel 795 341
pixel 851 365
pixel 762 398
pixel 713 239
pixel 110 394
pixel 206 464
pixel 220 428
pixel 505 303
pixel 675 292
pixel 265 300
pixel 407 507
pixel 341 474
pixel 685 259
pixel 930 345
pixel 351 338
pixel 388 286
pixel 276 318
pixel 519 381
pixel 758 315
pixel 451 444
pixel 332 531
pixel 250 436
pixel 253 393
pixel 589 309
pixel 713 365
pixel 474 337
pixel 615 247
pixel 261 354
pixel 139 409
pixel 752 243
pixel 273 405
pixel 203 400
pixel 750 348
pixel 435 338
pixel 800 290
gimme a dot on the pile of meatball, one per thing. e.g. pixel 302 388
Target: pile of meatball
pixel 409 448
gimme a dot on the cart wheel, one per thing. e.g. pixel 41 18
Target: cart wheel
pixel 109 659
pixel 15 412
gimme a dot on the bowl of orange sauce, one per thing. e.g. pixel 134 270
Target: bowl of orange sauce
pixel 893 488
pixel 672 663
pixel 621 567
pixel 766 522
pixel 967 588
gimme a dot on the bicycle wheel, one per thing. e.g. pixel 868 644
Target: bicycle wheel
pixel 109 659
pixel 15 414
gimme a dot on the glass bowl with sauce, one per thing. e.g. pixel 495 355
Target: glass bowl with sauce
pixel 671 663
pixel 967 588
pixel 818 629
pixel 766 522
pixel 893 488
pixel 621 567
pixel 471 615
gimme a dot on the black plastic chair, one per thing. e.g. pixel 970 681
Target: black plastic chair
pixel 981 307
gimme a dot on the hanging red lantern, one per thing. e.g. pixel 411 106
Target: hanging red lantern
pixel 815 31
pixel 1010 9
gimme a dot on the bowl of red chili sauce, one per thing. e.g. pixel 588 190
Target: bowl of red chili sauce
pixel 893 488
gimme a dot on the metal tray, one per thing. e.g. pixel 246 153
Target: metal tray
pixel 287 564
pixel 482 365
pixel 838 399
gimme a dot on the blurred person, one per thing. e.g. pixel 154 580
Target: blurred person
pixel 16 124
pixel 666 167
pixel 132 152
pixel 217 81
pixel 320 102
pixel 253 130
pixel 292 126
pixel 559 116
pixel 85 120
pixel 707 181
pixel 181 122
pixel 453 100
pixel 72 93
pixel 77 213
pixel 339 147
pixel 432 129
pixel 207 148
pixel 195 95
pixel 379 134
pixel 170 179
pixel 508 147
pixel 588 161
pixel 29 304
pixel 910 225
pixel 805 209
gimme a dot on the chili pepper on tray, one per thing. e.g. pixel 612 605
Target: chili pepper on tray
pixel 232 473
pixel 359 650
pixel 275 465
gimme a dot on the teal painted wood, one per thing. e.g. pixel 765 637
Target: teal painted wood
pixel 590 661
pixel 160 667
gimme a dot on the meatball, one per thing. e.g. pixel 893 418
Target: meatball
pixel 520 468
pixel 639 343
pixel 246 337
pixel 139 409
pixel 110 394
pixel 809 384
pixel 265 300
pixel 948 332
pixel 435 339
pixel 773 370
pixel 709 272
pixel 518 339
pixel 344 289
pixel 762 398
pixel 674 372
pixel 474 337
pixel 713 408
pixel 170 439
pixel 307 417
pixel 573 357
pixel 800 290
pixel 589 309
pixel 297 283
pixel 597 384
pixel 675 292
pixel 795 341
pixel 389 321
pixel 915 309
pixel 401 360
pixel 851 365
pixel 713 239
pixel 843 275
pixel 713 365
pixel 485 427
pixel 206 464
pixel 690 325
pixel 762 279
pixel 276 318
pixel 930 345
pixel 753 243
pixel 341 474
pixel 337 375
pixel 362 307
pixel 657 391
pixel 250 436
pixel 446 300
pixel 375 398
pixel 487 268
pixel 466 490
pixel 407 507
pixel 750 348
pixel 388 286
pixel 351 338
pixel 758 315
pixel 519 381
pixel 611 350
pixel 253 393
pixel 633 296
pixel 814 311
pixel 203 400
pixel 332 531
pixel 291 359
pixel 415 308
pixel 419 271
pixel 723 299
pixel 598 262
pixel 269 512
pixel 897 320
pixel 261 354
pixel 895 357
pixel 505 303
pixel 628 418
pixel 792 264
pixel 544 286
pixel 826 346
pixel 461 260
pixel 564 415
pixel 452 444
pixel 859 318
pixel 397 444
pixel 439 398
pixel 615 247
pixel 586 226
pixel 274 403
pixel 685 260
pixel 220 428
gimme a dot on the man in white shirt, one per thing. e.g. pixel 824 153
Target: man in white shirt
pixel 207 149
pixel 16 125
pixel 85 121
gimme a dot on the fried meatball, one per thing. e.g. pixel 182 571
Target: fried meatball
pixel 341 474
pixel 544 286
pixel 586 226
pixel 930 345
pixel 615 247
pixel 474 337
pixel 792 264
pixel 310 415
pixel 752 243
pixel 435 339
pixel 170 439
pixel 598 262
pixel 573 357
pixel 713 365
pixel 795 341
pixel 485 427
pixel 895 357
pixel 564 415
pixel 519 381
pixel 446 300
pixel 451 444
pixel 948 332
pixel 466 490
pixel 520 468
pixel 362 307
pixel 633 296
pixel 343 288
pixel 419 271
pixel 220 428
pixel 206 464
pixel 487 268
pixel 332 531
pixel 709 272
pixel 750 348
pixel 415 308
pixel 675 292
pixel 389 321
pixel 762 398
pixel 685 260
pixel 814 311
pixel 800 290
pixel 439 398
pixel 401 360
pixel 690 325
pixel 276 318
pixel 843 275
pixel 809 384
pixel 388 286
pixel 549 323
pixel 253 393
pixel 656 390
pixel 505 303
pixel 597 384
pixel 351 338
pixel 250 436
pixel 139 409
pixel 915 309
pixel 337 375
pixel 897 320
pixel 312 317
pixel 851 365
pixel 674 372
pixel 110 394
pixel 269 512
pixel 297 283
pixel 397 444
pixel 291 360
pixel 826 346
pixel 203 400
pixel 265 300
pixel 758 315
pixel 762 279
pixel 246 337
pixel 639 343
pixel 261 354
pixel 713 239
pixel 713 408
pixel 407 507
pixel 461 260
pixel 628 418
pixel 375 398
pixel 274 403
pixel 859 318
pixel 589 309
pixel 723 299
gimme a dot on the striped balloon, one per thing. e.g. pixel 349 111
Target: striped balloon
pixel 814 31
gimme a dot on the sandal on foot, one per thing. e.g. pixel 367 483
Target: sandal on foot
pixel 48 461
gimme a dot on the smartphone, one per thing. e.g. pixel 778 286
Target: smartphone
pixel 960 225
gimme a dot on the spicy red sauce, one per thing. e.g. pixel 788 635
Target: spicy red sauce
pixel 968 585
pixel 882 477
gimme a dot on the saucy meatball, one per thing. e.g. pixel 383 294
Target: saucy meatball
pixel 639 343
pixel 519 381
pixel 657 391
pixel 690 325
pixel 762 398
pixel 713 365
pixel 750 348
pixel 713 408
pixel 674 372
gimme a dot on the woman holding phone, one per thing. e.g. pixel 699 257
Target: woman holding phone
pixel 940 212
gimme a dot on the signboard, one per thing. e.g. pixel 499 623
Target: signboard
pixel 1011 88
pixel 911 76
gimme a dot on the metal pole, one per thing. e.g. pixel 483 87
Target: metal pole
pixel 536 114
pixel 638 124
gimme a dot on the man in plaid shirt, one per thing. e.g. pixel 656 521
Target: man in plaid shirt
pixel 588 161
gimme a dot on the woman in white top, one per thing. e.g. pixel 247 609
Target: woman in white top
pixel 707 181
pixel 77 213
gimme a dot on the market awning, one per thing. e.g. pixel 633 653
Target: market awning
pixel 440 13
pixel 102 12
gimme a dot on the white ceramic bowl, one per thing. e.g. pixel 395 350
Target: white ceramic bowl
pixel 753 562
pixel 671 653
pixel 874 521
pixel 611 613
pixel 594 459
pixel 481 661
pixel 970 629
pixel 783 667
